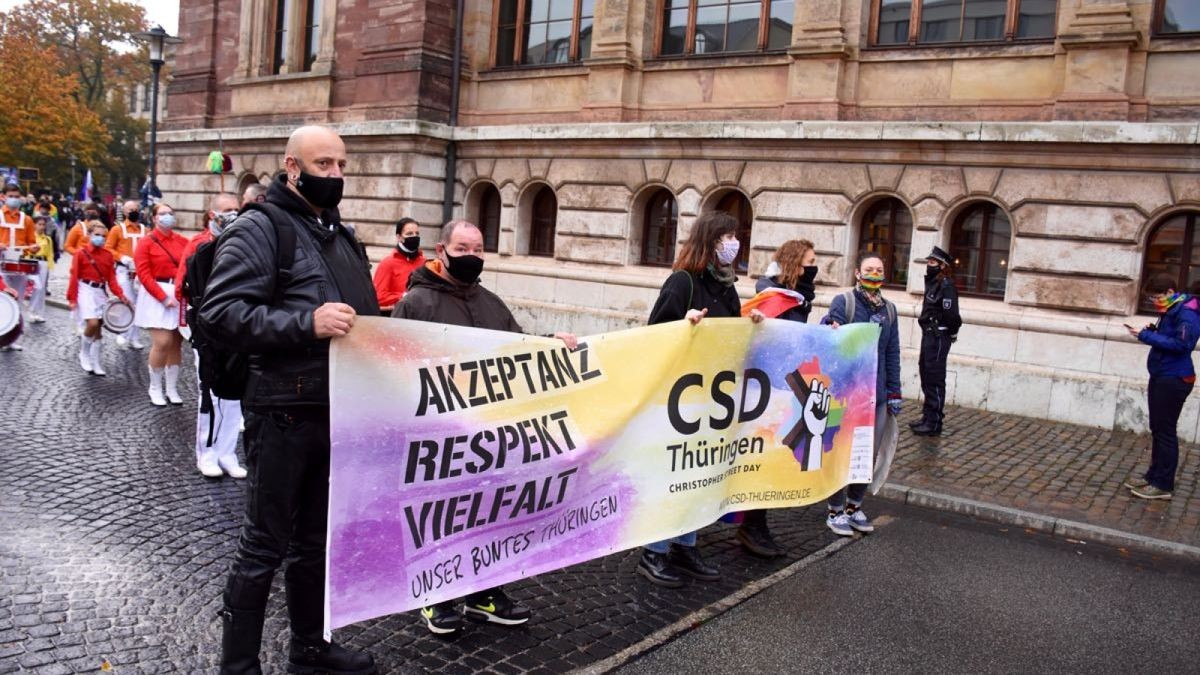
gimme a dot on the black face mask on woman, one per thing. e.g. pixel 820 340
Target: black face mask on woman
pixel 810 274
pixel 465 268
pixel 411 246
pixel 931 272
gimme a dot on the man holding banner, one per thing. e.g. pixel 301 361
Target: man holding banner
pixel 284 320
pixel 446 290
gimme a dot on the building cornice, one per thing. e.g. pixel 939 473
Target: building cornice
pixel 1166 133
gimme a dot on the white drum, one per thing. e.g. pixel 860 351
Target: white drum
pixel 10 320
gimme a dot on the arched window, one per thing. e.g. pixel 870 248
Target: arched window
pixel 658 229
pixel 735 204
pixel 887 231
pixel 543 220
pixel 979 243
pixel 1173 247
pixel 489 218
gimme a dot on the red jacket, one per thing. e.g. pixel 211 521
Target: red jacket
pixel 94 264
pixel 157 257
pixel 188 252
pixel 391 277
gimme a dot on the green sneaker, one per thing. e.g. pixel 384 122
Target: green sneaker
pixel 1150 492
pixel 497 608
pixel 441 619
pixel 1135 482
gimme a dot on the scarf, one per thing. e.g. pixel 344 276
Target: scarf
pixel 873 297
pixel 722 273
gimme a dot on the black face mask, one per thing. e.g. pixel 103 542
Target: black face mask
pixel 91 215
pixel 931 272
pixel 133 216
pixel 810 274
pixel 323 192
pixel 464 268
pixel 411 246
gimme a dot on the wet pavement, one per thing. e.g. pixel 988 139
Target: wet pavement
pixel 115 549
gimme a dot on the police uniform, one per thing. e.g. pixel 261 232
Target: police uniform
pixel 939 323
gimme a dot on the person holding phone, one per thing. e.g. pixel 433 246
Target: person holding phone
pixel 1172 376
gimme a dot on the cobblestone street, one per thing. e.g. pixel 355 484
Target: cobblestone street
pixel 115 549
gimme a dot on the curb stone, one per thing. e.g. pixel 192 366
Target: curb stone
pixel 1060 527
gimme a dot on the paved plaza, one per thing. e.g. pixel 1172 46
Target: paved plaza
pixel 115 548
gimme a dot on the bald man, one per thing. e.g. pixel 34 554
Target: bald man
pixel 284 319
pixel 254 192
pixel 121 243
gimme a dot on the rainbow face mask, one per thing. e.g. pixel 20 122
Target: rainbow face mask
pixel 871 282
pixel 1164 302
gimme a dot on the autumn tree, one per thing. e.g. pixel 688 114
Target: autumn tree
pixel 92 43
pixel 42 124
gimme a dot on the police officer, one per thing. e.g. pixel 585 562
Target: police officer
pixel 939 323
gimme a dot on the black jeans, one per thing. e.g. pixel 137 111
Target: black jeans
pixel 1165 396
pixel 287 497
pixel 935 349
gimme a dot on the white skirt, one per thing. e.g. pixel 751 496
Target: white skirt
pixel 150 313
pixel 91 301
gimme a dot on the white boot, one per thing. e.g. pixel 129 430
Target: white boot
pixel 134 340
pixel 207 463
pixel 156 385
pixel 98 357
pixel 85 353
pixel 230 466
pixel 172 389
pixel 122 342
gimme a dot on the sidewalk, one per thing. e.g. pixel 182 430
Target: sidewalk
pixel 1047 476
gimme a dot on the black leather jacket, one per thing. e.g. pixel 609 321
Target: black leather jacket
pixel 289 366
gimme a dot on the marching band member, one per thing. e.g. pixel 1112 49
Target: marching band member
pixel 221 456
pixel 19 241
pixel 45 258
pixel 122 242
pixel 157 260
pixel 92 268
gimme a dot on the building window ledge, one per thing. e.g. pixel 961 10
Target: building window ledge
pixel 281 78
pixel 533 71
pixel 720 60
pixel 962 50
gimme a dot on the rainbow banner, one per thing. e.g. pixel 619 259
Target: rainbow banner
pixel 465 458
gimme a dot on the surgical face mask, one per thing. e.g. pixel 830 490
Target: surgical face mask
pixel 97 240
pixel 728 250
pixel 12 202
pixel 166 221
pixel 220 221
pixel 465 268
pixel 323 192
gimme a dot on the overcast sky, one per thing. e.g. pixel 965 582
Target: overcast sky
pixel 162 12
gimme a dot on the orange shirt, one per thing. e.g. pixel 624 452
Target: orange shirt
pixel 391 277
pixel 94 264
pixel 188 251
pixel 157 257
pixel 76 238
pixel 17 230
pixel 123 239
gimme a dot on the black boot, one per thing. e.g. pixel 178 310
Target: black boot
pixel 655 567
pixel 241 638
pixel 928 429
pixel 310 654
pixel 917 423
pixel 755 537
pixel 687 560
pixel 327 658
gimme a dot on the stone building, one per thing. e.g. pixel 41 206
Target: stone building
pixel 1052 147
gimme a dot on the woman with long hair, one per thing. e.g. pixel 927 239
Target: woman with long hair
pixel 789 280
pixel 865 304
pixel 702 284
pixel 156 260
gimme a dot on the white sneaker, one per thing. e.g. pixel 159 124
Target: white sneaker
pixel 208 466
pixel 136 344
pixel 37 318
pixel 14 347
pixel 230 466
pixel 122 342
pixel 840 524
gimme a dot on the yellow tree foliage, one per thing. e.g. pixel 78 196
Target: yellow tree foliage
pixel 41 123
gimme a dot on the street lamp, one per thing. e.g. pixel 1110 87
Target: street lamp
pixel 72 190
pixel 157 38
